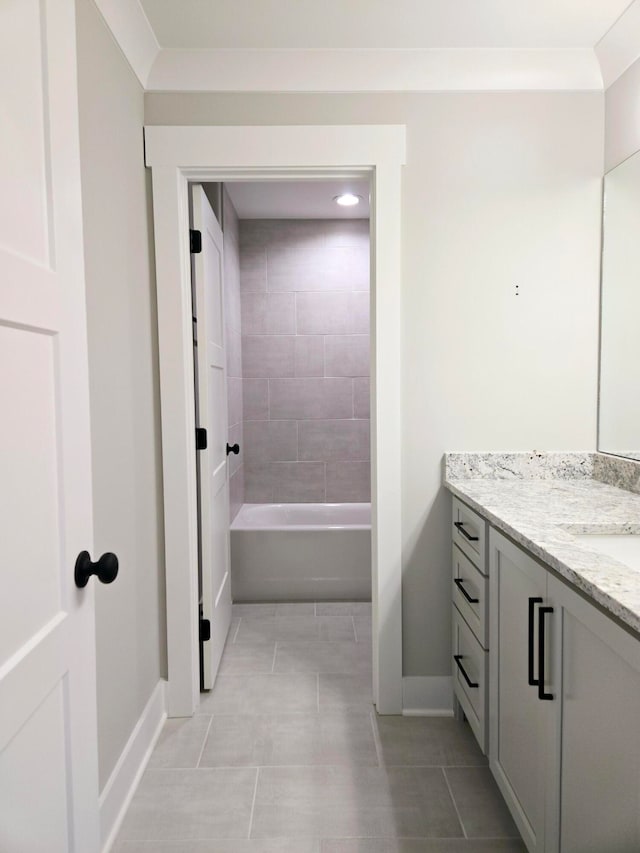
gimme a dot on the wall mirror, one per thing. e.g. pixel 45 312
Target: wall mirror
pixel 619 405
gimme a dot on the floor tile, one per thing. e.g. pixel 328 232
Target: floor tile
pixel 175 805
pixel 440 741
pixel 342 608
pixel 353 801
pixel 295 627
pixel 254 845
pixel 334 657
pixel 301 739
pixel 362 628
pixel 286 739
pixel 413 845
pixel 247 658
pixel 345 692
pixel 296 608
pixel 180 742
pixel 480 805
pixel 254 609
pixel 262 694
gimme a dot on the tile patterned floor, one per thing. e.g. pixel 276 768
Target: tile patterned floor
pixel 287 755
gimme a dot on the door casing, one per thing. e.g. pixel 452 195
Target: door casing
pixel 177 156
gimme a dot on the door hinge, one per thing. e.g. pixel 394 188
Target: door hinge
pixel 195 241
pixel 201 438
pixel 205 630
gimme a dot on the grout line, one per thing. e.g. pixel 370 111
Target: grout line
pixel 253 803
pixel 384 838
pixel 204 742
pixel 235 636
pixel 355 633
pixel 325 481
pixel 273 662
pixel 376 738
pixel 453 800
pixel 308 766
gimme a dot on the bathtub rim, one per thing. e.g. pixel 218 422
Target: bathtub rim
pixel 317 528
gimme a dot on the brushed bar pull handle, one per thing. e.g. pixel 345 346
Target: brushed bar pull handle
pixel 468 536
pixel 533 682
pixel 542 694
pixel 460 584
pixel 457 659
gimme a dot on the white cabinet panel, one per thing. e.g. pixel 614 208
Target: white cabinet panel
pixel 470 595
pixel 469 533
pixel 470 677
pixel 600 694
pixel 519 718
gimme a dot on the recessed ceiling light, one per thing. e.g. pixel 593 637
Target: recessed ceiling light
pixel 347 199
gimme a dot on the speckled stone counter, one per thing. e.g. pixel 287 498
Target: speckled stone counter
pixel 540 500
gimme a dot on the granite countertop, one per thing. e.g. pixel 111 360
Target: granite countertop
pixel 541 500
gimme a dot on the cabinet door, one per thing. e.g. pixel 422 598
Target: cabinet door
pixel 600 744
pixel 521 725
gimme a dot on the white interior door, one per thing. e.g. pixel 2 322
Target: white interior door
pixel 48 749
pixel 212 415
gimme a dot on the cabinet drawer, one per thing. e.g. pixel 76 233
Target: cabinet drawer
pixel 470 678
pixel 471 595
pixel 469 532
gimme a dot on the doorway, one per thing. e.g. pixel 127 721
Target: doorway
pixel 180 155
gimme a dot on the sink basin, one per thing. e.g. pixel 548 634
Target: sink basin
pixel 623 547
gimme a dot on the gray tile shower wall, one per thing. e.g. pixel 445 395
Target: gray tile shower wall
pixel 233 341
pixel 304 295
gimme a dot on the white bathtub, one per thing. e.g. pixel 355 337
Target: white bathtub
pixel 301 552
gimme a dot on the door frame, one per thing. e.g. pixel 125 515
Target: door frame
pixel 182 154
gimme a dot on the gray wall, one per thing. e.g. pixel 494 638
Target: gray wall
pixel 499 190
pixel 233 346
pixel 622 120
pixel 305 342
pixel 125 424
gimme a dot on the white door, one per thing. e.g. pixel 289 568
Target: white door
pixel 48 751
pixel 212 416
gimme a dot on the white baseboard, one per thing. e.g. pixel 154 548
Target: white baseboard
pixel 427 696
pixel 121 785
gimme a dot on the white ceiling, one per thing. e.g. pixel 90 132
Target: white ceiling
pixel 401 24
pixel 297 199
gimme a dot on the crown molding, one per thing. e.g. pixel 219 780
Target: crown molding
pixel 133 34
pixel 619 48
pixel 431 70
pixel 434 70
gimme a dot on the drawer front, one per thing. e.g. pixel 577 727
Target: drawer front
pixel 470 678
pixel 469 532
pixel 471 595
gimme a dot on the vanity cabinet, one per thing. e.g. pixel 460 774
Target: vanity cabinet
pixel 470 658
pixel 564 710
pixel 598 691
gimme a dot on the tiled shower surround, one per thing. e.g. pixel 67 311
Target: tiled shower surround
pixel 305 360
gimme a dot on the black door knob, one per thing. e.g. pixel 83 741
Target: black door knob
pixel 233 448
pixel 105 569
